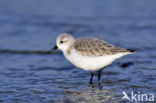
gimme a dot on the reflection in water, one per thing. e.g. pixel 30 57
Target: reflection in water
pixel 90 94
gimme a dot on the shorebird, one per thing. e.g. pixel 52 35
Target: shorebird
pixel 89 54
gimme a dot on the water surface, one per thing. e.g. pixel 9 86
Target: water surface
pixel 29 29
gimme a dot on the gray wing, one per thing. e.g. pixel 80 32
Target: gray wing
pixel 96 47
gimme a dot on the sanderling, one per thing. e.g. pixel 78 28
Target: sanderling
pixel 89 53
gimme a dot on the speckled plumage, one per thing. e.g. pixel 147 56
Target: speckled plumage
pixel 96 47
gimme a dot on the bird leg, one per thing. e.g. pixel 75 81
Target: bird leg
pixel 99 74
pixel 92 74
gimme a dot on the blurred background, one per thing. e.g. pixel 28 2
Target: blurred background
pixel 28 29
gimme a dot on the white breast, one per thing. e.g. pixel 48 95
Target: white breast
pixel 91 63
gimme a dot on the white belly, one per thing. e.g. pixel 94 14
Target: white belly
pixel 91 63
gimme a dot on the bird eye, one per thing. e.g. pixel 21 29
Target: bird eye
pixel 61 42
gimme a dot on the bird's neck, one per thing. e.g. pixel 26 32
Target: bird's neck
pixel 69 49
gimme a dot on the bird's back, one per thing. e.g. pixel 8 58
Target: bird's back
pixel 96 47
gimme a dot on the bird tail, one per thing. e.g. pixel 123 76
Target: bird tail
pixel 131 51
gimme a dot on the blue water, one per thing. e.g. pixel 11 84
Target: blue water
pixel 28 29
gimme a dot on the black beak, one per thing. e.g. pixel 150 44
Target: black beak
pixel 54 48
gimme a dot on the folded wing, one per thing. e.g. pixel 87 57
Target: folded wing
pixel 96 47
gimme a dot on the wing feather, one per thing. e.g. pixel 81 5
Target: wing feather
pixel 96 47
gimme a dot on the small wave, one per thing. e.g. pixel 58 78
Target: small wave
pixel 40 52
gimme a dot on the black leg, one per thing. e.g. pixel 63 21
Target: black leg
pixel 92 74
pixel 99 74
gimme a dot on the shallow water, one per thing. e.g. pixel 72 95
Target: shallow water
pixel 29 29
